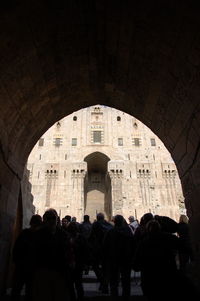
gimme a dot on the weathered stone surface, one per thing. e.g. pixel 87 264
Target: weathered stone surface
pixel 57 57
pixel 157 190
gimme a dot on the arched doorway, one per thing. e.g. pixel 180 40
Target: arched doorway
pixel 124 56
pixel 97 186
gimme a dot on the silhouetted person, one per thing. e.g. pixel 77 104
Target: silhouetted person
pixel 52 257
pixel 64 224
pixel 140 231
pixel 74 219
pixel 85 229
pixel 98 231
pixel 133 223
pixel 80 251
pixel 22 259
pixel 68 218
pixel 185 252
pixel 156 259
pixel 118 253
pixel 167 223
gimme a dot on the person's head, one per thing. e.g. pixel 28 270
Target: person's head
pixel 74 219
pixel 68 218
pixel 100 216
pixel 50 218
pixel 86 218
pixel 73 228
pixel 131 219
pixel 53 210
pixel 183 219
pixel 35 221
pixel 153 227
pixel 119 220
pixel 146 218
pixel 64 222
pixel 167 224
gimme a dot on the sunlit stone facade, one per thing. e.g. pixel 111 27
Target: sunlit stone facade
pixel 101 159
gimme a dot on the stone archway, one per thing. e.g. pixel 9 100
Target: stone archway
pixel 97 186
pixel 138 57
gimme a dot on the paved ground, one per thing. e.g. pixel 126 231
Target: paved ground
pixel 92 293
pixel 91 287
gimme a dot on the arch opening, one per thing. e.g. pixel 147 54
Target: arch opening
pixel 149 72
pixel 98 164
pixel 97 186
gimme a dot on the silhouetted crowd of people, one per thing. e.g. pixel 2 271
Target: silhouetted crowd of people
pixel 51 257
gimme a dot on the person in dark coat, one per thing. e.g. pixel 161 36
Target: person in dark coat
pixel 155 257
pixel 167 224
pixel 118 249
pixel 53 260
pixel 81 252
pixel 185 252
pixel 99 229
pixel 140 232
pixel 85 229
pixel 22 259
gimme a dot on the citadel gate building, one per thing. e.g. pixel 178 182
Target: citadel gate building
pixel 100 159
pixel 57 57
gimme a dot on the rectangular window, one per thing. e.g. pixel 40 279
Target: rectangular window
pixel 97 136
pixel 136 141
pixel 41 142
pixel 57 141
pixel 120 141
pixel 74 141
pixel 153 142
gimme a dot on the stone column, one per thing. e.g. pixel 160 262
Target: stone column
pixel 82 174
pixel 116 176
pixel 78 175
